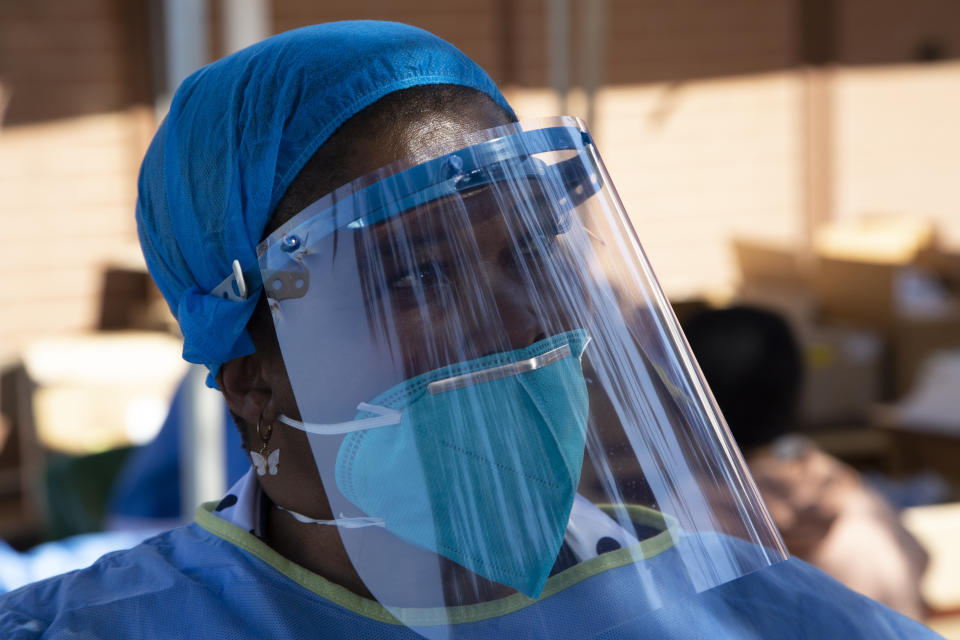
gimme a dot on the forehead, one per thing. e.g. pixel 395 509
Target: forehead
pixel 485 209
pixel 377 137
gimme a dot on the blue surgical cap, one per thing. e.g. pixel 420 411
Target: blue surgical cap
pixel 238 132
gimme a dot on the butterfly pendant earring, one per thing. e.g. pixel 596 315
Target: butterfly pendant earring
pixel 265 461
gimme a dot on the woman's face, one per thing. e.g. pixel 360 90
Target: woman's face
pixel 357 359
pixel 443 283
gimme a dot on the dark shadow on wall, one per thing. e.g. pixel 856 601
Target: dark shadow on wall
pixel 62 58
pixel 653 41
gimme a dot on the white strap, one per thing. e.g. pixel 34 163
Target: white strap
pixel 385 417
pixel 238 277
pixel 342 521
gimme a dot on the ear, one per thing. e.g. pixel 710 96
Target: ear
pixel 245 388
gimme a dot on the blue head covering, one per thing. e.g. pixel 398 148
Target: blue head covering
pixel 238 132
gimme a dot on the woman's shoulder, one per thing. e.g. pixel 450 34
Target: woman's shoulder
pixel 145 578
pixel 784 600
pixel 795 599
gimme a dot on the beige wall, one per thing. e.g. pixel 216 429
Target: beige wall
pixel 702 162
pixel 700 128
pixel 696 158
pixel 475 27
pixel 70 144
pixel 67 190
pixel 698 163
pixel 702 119
pixel 705 122
pixel 897 143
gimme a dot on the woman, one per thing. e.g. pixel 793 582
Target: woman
pixel 467 407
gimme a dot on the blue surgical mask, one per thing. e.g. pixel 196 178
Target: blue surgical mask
pixel 477 461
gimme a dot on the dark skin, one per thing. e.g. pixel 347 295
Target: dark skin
pixel 257 388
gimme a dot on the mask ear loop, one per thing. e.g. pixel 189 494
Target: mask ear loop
pixel 385 417
pixel 342 522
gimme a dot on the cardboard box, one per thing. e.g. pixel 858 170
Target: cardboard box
pixel 859 294
pixel 888 239
pixel 770 264
pixel 843 376
pixel 843 366
pixel 774 277
pixel 917 450
pixel 945 263
pixel 879 274
pixel 912 341
pixel 862 266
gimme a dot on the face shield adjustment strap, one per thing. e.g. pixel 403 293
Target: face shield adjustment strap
pixel 238 286
pixel 238 278
pixel 473 166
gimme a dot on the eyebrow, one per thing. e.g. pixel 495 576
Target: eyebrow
pixel 427 227
pixel 400 240
pixel 416 226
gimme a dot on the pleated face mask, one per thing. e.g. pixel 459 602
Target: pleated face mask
pixel 478 462
pixel 475 341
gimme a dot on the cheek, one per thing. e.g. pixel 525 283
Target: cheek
pixel 297 484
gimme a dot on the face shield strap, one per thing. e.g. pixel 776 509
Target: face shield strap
pixel 497 160
pixel 238 286
pixel 343 522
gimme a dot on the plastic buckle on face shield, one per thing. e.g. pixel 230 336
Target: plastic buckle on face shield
pixel 284 285
pixel 475 178
pixel 235 287
pixel 238 279
pixel 453 167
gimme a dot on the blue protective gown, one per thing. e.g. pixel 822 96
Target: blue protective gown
pixel 212 579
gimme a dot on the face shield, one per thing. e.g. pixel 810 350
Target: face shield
pixel 504 413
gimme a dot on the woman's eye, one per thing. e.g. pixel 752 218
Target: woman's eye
pixel 537 245
pixel 424 275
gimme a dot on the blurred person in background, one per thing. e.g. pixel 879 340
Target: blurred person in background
pixel 413 305
pixel 144 500
pixel 18 568
pixel 826 514
pixel 147 491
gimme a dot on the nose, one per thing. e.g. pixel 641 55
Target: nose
pixel 521 322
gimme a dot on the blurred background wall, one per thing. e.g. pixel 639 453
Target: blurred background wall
pixel 747 117
pixel 797 154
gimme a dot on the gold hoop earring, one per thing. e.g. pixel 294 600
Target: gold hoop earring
pixel 265 461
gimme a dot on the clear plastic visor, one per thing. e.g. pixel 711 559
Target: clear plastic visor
pixel 503 412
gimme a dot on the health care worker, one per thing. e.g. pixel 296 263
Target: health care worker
pixel 468 407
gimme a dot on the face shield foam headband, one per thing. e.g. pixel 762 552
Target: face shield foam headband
pixel 475 343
